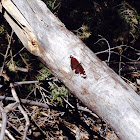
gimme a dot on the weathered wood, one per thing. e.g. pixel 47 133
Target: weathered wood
pixel 102 91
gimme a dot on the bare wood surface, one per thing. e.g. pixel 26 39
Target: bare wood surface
pixel 102 91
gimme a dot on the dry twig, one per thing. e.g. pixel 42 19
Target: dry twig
pixel 25 101
pixel 21 109
pixel 5 56
pixel 8 134
pixel 109 52
pixel 4 122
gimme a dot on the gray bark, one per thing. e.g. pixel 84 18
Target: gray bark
pixel 102 91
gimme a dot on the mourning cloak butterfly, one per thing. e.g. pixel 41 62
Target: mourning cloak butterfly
pixel 77 67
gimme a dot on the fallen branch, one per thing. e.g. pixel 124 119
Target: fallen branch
pixel 4 122
pixel 16 129
pixel 7 133
pixel 25 101
pixel 21 109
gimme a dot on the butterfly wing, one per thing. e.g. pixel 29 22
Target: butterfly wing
pixel 75 65
pixel 80 70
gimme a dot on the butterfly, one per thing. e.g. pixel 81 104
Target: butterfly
pixel 77 67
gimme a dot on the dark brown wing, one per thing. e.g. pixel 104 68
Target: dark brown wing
pixel 80 70
pixel 75 65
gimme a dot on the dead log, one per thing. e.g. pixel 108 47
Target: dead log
pixel 102 90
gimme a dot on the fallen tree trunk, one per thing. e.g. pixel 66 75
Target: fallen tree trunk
pixel 101 90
